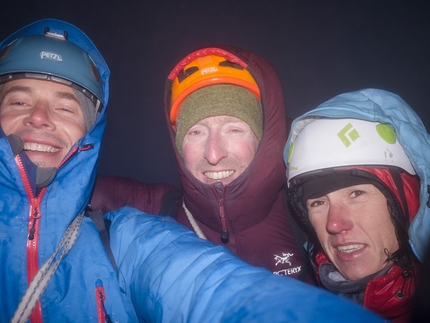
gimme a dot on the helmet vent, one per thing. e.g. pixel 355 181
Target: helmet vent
pixel 185 73
pixel 230 64
pixel 65 35
pixel 5 51
pixel 94 70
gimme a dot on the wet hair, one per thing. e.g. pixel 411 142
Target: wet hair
pixel 401 227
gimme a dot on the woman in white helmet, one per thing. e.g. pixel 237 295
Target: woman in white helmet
pixel 358 172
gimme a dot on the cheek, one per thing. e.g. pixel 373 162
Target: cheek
pixel 319 225
pixel 249 156
pixel 380 222
pixel 74 131
pixel 78 122
pixel 388 236
pixel 6 123
pixel 82 125
pixel 190 154
pixel 244 152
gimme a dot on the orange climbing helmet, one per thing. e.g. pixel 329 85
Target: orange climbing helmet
pixel 205 67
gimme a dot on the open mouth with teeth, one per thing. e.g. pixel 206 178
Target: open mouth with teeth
pixel 39 147
pixel 219 175
pixel 350 248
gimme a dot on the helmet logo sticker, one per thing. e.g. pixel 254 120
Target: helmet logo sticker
pixel 208 70
pixel 348 135
pixel 386 133
pixel 51 56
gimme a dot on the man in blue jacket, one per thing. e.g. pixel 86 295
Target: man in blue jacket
pixel 53 265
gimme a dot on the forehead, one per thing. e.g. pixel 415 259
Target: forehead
pixel 219 120
pixel 32 85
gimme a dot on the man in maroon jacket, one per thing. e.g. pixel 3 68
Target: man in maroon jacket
pixel 226 117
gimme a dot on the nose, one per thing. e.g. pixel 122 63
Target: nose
pixel 338 219
pixel 215 149
pixel 39 116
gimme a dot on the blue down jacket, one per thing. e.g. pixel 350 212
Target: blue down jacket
pixel 385 107
pixel 165 273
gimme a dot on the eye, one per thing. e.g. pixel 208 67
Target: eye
pixel 236 130
pixel 16 98
pixel 317 206
pixel 19 103
pixel 16 101
pixel 357 193
pixel 316 203
pixel 233 130
pixel 67 107
pixel 193 132
pixel 197 130
pixel 15 105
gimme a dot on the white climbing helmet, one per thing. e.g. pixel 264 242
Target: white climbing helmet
pixel 318 144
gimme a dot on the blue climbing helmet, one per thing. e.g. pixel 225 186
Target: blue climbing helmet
pixel 56 51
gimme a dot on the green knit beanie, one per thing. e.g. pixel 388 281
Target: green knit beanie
pixel 215 100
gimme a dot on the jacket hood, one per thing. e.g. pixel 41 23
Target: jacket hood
pixel 69 192
pixel 248 199
pixel 385 107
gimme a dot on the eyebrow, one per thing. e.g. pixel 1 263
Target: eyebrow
pixel 18 88
pixel 67 95
pixel 27 89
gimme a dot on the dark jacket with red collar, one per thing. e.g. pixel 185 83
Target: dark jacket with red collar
pixel 251 210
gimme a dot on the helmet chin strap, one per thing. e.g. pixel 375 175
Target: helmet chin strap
pixel 44 175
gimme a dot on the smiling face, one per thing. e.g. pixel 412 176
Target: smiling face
pixel 354 228
pixel 46 115
pixel 219 149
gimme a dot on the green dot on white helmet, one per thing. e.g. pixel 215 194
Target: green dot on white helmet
pixel 322 143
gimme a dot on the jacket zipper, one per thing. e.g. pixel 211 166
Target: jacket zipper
pixel 33 228
pixel 33 235
pixel 224 232
pixel 102 316
pixel 32 252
